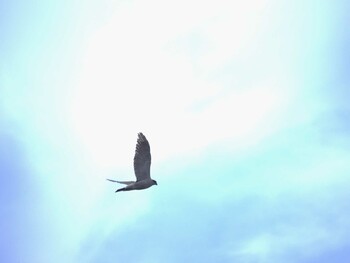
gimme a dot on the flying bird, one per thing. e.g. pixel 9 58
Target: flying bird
pixel 142 166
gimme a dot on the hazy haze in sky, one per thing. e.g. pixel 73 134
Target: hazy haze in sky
pixel 245 105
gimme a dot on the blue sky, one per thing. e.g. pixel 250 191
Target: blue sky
pixel 245 106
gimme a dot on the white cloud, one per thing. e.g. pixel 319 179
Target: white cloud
pixel 287 243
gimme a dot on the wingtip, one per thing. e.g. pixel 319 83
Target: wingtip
pixel 141 136
pixel 111 180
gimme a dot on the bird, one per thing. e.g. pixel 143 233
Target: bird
pixel 142 167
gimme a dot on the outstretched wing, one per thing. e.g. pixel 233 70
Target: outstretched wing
pixel 121 182
pixel 142 159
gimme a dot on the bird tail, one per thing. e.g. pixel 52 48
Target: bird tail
pixel 126 188
pixel 121 189
pixel 121 182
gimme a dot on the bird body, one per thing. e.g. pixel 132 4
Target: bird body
pixel 142 166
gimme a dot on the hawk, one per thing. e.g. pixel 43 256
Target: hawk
pixel 142 166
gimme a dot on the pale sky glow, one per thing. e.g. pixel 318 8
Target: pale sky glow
pixel 139 56
pixel 245 107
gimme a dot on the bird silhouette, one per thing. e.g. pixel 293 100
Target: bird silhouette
pixel 142 167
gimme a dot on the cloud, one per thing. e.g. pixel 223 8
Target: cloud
pixel 305 235
pixel 250 155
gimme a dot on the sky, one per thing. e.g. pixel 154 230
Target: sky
pixel 245 106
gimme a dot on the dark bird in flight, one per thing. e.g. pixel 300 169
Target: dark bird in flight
pixel 142 166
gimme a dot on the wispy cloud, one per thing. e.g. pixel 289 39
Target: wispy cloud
pixel 249 148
